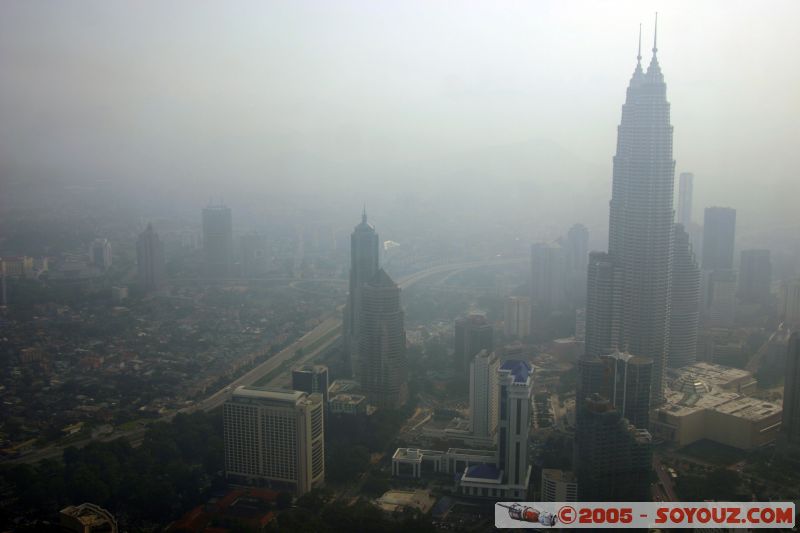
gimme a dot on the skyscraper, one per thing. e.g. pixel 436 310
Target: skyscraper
pixel 576 248
pixel 623 379
pixel 382 343
pixel 613 459
pixel 150 260
pixel 472 334
pixel 274 438
pixel 364 257
pixel 721 298
pixel 100 253
pixel 311 379
pixel 515 388
pixel 640 222
pixel 755 276
pixel 548 278
pixel 685 302
pixel 719 233
pixel 790 303
pixel 685 190
pixel 218 241
pixel 790 426
pixel 483 394
pixel 517 322
pixel 602 305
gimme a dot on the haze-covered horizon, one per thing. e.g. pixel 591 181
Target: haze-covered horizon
pixel 492 110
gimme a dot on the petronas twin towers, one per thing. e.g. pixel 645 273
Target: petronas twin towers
pixel 628 303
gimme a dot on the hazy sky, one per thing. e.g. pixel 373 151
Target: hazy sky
pixel 294 94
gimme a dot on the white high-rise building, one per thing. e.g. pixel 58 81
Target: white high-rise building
pixel 517 321
pixel 516 388
pixel 483 394
pixel 275 438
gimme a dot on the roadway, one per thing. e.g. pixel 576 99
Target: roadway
pixel 295 354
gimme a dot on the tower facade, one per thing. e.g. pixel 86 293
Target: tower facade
pixel 483 394
pixel 218 241
pixel 603 303
pixel 548 278
pixel 472 334
pixel 641 222
pixel 364 261
pixel 685 302
pixel 685 191
pixel 515 382
pixel 517 322
pixel 755 276
pixel 311 379
pixel 790 426
pixel 719 234
pixel 382 343
pixel 150 260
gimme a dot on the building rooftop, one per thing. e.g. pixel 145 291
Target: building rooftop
pixel 268 393
pixel 730 403
pixel 483 473
pixel 521 370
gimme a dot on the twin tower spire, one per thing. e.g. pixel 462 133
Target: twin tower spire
pixel 654 69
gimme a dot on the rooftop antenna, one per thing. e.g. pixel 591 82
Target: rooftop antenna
pixel 639 55
pixel 655 36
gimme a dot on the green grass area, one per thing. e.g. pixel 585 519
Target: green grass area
pixel 712 453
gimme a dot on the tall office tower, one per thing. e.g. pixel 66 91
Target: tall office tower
pixel 755 276
pixel 472 334
pixel 218 241
pixel 790 303
pixel 790 425
pixel 517 321
pixel 685 302
pixel 150 260
pixel 621 378
pixel 254 253
pixel 721 287
pixel 576 248
pixel 311 379
pixel 603 313
pixel 100 253
pixel 364 257
pixel 274 438
pixel 640 222
pixel 548 278
pixel 558 486
pixel 613 459
pixel 685 189
pixel 483 394
pixel 515 379
pixel 382 343
pixel 719 233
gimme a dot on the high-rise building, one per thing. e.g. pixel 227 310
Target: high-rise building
pixel 640 225
pixel 515 389
pixel 719 234
pixel 558 486
pixel 613 458
pixel 790 425
pixel 382 343
pixel 685 302
pixel 150 260
pixel 548 278
pixel 218 241
pixel 483 394
pixel 100 253
pixel 622 378
pixel 602 318
pixel 311 379
pixel 685 190
pixel 721 298
pixel 364 260
pixel 274 438
pixel 472 334
pixel 576 247
pixel 755 276
pixel 790 303
pixel 517 322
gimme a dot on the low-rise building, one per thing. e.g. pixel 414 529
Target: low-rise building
pixel 559 486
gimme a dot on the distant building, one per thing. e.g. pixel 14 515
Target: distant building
pixel 548 278
pixel 791 394
pixel 613 458
pixel 364 264
pixel 218 241
pixel 382 343
pixel 472 334
pixel 274 438
pixel 790 303
pixel 100 253
pixel 87 518
pixel 576 249
pixel 755 276
pixel 558 486
pixel 311 379
pixel 685 192
pixel 483 394
pixel 17 266
pixel 517 320
pixel 150 260
pixel 580 324
pixel 719 234
pixel 603 305
pixel 721 299
pixel 684 302
pixel 623 379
